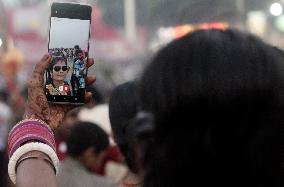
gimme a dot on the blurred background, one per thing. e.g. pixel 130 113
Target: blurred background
pixel 124 36
pixel 125 33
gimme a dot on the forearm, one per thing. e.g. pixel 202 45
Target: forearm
pixel 32 157
pixel 35 172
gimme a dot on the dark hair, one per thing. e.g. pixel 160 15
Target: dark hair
pixel 77 51
pixel 123 106
pixel 55 60
pixel 85 135
pixel 279 50
pixel 76 47
pixel 217 100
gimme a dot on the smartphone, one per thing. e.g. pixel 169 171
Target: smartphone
pixel 69 34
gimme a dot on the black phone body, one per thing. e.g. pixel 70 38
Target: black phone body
pixel 69 35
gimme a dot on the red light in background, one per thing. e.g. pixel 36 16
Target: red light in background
pixel 213 25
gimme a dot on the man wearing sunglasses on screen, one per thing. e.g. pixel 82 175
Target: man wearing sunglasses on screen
pixel 56 84
pixel 78 75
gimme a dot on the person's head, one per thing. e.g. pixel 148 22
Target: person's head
pixel 123 106
pixel 76 47
pixel 217 101
pixel 87 143
pixel 58 69
pixel 79 54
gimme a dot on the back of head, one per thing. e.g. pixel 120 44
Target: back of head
pixel 122 109
pixel 217 101
pixel 85 135
pixel 77 47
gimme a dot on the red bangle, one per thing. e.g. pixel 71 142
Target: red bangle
pixel 30 130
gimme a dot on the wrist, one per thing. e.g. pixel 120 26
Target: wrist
pixel 30 136
pixel 29 114
pixel 35 155
pixel 15 159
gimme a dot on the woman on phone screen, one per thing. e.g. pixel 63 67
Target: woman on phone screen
pixel 56 75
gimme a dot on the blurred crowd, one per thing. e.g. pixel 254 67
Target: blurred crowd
pixel 205 109
pixel 12 106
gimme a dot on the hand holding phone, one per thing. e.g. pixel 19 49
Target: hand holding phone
pixel 38 107
pixel 69 47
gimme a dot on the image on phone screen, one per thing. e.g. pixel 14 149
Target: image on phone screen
pixel 68 46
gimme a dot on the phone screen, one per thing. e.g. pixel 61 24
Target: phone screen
pixel 69 46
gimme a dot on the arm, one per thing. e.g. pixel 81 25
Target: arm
pixel 46 176
pixel 31 144
pixel 31 141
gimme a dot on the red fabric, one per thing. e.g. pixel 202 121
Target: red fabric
pixel 60 153
pixel 113 154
